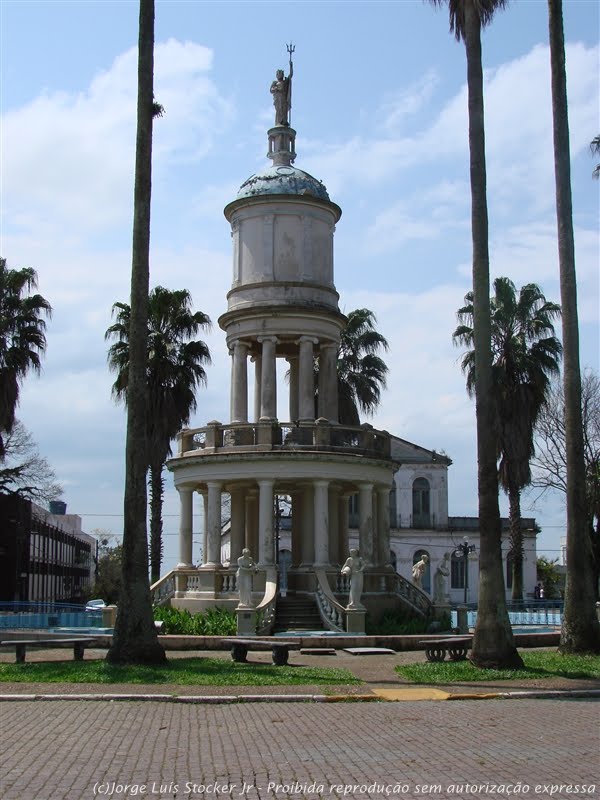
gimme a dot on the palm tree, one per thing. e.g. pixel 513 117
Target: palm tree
pixel 22 337
pixel 525 356
pixel 175 367
pixel 595 148
pixel 580 630
pixel 135 639
pixel 493 643
pixel 361 372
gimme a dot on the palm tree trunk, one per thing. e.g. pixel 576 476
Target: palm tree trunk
pixel 157 486
pixel 493 644
pixel 580 627
pixel 516 542
pixel 135 639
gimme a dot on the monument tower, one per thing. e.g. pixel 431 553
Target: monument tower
pixel 282 307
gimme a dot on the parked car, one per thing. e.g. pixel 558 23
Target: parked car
pixel 95 605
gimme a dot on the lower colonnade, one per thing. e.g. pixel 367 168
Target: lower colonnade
pixel 319 513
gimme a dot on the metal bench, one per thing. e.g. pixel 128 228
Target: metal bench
pixel 21 646
pixel 457 648
pixel 279 649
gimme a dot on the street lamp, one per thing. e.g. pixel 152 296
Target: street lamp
pixel 462 551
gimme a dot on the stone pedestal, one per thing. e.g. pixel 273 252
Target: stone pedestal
pixel 355 621
pixel 246 621
pixel 462 619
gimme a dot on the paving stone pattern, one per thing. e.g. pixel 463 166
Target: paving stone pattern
pixel 65 750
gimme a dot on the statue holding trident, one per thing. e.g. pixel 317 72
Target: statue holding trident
pixel 281 89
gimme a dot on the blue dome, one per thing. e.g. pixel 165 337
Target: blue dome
pixel 283 180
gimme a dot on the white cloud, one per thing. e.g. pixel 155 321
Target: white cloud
pixel 71 155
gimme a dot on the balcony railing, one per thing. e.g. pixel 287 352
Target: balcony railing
pixel 286 437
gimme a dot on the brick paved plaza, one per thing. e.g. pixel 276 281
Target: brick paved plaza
pixel 78 750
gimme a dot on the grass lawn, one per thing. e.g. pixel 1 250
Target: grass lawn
pixel 537 665
pixel 181 671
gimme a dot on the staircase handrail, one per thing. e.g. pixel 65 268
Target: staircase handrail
pixel 265 610
pixel 411 594
pixel 332 613
pixel 163 589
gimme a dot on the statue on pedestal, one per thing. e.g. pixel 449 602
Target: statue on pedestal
pixel 246 569
pixel 418 570
pixel 281 89
pixel 439 579
pixel 354 567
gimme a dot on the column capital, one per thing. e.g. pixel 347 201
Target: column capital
pixel 214 484
pixel 307 340
pixel 262 339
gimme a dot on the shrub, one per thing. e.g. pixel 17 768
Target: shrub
pixel 213 622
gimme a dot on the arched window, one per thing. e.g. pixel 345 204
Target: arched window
pixel 457 572
pixel 426 579
pixel 421 503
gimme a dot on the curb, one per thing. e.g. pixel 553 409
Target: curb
pixel 555 694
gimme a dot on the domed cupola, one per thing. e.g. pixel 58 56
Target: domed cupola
pixel 283 302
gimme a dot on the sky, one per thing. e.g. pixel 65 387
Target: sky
pixel 379 104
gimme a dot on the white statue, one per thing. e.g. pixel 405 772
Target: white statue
pixel 418 570
pixel 354 567
pixel 439 579
pixel 246 569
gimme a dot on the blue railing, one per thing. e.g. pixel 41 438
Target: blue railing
pixel 47 615
pixel 536 613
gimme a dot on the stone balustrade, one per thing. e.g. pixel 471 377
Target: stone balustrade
pixel 271 435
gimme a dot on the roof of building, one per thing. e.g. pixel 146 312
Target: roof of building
pixel 409 453
pixel 283 180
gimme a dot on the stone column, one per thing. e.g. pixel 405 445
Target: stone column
pixel 186 521
pixel 266 549
pixel 252 522
pixel 328 385
pixel 297 511
pixel 344 524
pixel 306 379
pixel 365 530
pixel 383 526
pixel 321 517
pixel 214 524
pixel 334 525
pixel 308 534
pixel 268 383
pixel 294 376
pixel 204 526
pixel 257 382
pixel 239 383
pixel 237 527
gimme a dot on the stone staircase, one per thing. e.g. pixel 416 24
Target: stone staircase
pixel 297 612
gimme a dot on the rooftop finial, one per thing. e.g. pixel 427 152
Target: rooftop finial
pixel 281 89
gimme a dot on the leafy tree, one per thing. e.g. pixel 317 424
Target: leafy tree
pixel 549 576
pixel 24 471
pixel 493 643
pixel 135 639
pixel 361 372
pixel 595 148
pixel 22 338
pixel 550 461
pixel 175 367
pixel 525 354
pixel 109 568
pixel 580 630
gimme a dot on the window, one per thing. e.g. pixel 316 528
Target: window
pixel 457 572
pixel 509 566
pixel 421 503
